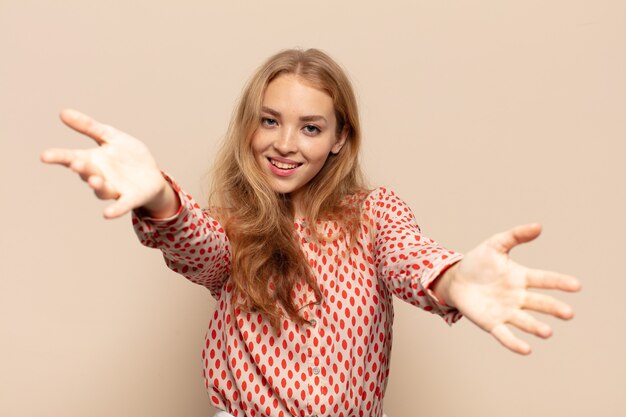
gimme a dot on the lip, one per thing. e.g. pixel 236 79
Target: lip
pixel 284 160
pixel 282 172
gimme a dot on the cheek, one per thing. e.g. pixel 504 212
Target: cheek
pixel 318 153
pixel 256 144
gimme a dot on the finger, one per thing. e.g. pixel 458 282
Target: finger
pixel 524 321
pixel 86 125
pixel 121 206
pixel 80 167
pixel 59 156
pixel 504 335
pixel 102 189
pixel 536 278
pixel 505 241
pixel 547 305
pixel 85 169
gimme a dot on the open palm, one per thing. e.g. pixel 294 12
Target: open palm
pixel 121 168
pixel 491 290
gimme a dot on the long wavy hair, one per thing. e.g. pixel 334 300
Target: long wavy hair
pixel 267 260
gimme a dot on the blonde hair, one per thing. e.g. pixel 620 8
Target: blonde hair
pixel 267 260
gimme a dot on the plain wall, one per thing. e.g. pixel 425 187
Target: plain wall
pixel 480 114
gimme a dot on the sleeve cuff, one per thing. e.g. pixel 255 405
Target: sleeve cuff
pixel 141 214
pixel 449 314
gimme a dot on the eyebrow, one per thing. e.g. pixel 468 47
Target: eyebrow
pixel 311 118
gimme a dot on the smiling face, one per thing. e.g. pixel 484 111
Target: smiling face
pixel 296 134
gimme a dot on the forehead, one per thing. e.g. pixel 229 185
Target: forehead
pixel 290 94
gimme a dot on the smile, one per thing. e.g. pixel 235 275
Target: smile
pixel 283 165
pixel 282 169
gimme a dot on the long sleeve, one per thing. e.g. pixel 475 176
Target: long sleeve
pixel 193 243
pixel 405 260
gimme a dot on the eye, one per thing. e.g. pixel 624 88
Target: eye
pixel 268 122
pixel 311 130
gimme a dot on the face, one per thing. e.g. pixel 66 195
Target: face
pixel 296 134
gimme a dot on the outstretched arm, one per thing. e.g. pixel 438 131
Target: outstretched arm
pixel 491 290
pixel 120 168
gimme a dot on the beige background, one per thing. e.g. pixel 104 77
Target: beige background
pixel 480 114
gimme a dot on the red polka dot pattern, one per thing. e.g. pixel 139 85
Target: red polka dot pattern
pixel 339 364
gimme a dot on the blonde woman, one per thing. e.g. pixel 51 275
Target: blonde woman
pixel 302 258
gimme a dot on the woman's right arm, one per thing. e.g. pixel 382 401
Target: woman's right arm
pixel 193 243
pixel 121 168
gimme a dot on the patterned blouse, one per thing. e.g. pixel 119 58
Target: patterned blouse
pixel 338 364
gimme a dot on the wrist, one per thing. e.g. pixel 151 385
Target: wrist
pixel 441 285
pixel 165 204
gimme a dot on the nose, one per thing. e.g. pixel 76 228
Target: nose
pixel 285 142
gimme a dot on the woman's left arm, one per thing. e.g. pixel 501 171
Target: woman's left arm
pixel 491 290
pixel 406 261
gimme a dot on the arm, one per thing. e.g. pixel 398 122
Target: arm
pixel 406 261
pixel 490 289
pixel 193 243
pixel 121 168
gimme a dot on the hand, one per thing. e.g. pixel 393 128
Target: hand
pixel 490 289
pixel 121 168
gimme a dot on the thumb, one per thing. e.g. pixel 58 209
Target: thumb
pixel 505 241
pixel 121 206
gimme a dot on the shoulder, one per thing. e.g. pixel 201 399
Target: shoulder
pixel 367 200
pixel 367 207
pixel 369 196
pixel 383 206
pixel 383 197
pixel 382 193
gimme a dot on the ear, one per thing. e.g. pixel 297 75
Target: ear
pixel 341 140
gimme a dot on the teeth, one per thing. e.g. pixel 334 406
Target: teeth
pixel 282 165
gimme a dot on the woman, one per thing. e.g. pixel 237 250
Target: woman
pixel 301 257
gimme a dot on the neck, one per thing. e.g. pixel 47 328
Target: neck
pixel 298 209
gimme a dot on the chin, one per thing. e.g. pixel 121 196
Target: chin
pixel 281 190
